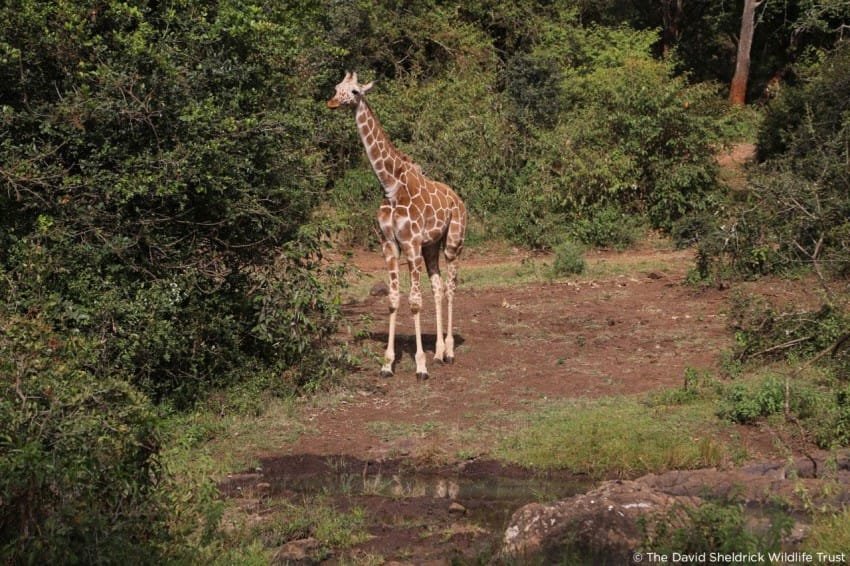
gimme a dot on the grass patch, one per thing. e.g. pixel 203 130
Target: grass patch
pixel 714 526
pixel 698 386
pixel 616 436
pixel 514 273
pixel 232 441
pixel 830 533
pixel 315 518
pixel 244 438
pixel 498 265
pixel 495 275
pixel 259 536
pixel 225 531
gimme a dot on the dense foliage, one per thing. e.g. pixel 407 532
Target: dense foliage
pixel 169 178
pixel 795 210
pixel 158 169
pixel 575 126
pixel 79 464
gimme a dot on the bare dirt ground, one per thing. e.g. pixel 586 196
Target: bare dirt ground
pixel 621 334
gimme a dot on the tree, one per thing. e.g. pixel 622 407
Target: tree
pixel 671 14
pixel 738 89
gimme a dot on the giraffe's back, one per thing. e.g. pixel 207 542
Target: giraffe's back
pixel 434 209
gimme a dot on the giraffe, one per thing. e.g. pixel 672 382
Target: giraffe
pixel 418 217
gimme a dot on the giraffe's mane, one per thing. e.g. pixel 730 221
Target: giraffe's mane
pixel 409 160
pixel 402 155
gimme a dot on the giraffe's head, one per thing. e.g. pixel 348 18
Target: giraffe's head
pixel 348 92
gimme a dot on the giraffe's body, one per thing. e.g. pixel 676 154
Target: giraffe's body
pixel 419 217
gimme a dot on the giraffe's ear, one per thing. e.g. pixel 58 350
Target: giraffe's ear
pixel 367 87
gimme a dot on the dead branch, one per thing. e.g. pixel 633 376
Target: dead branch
pixel 783 346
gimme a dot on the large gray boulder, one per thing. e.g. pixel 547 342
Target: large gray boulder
pixel 608 522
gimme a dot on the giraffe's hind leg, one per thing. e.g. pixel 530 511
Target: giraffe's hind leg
pixel 454 244
pixel 451 285
pixel 431 254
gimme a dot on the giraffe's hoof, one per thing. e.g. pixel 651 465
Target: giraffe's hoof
pixel 421 376
pixel 449 360
pixel 385 373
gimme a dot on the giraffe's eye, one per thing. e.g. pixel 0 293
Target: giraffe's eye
pixel 355 91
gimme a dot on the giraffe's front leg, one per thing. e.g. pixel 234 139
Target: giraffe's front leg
pixel 389 354
pixel 414 259
pixel 390 251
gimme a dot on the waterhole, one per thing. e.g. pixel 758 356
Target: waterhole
pixel 412 510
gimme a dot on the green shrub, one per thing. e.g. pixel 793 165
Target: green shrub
pixel 823 408
pixel 78 455
pixel 747 402
pixel 832 425
pixel 532 83
pixel 160 167
pixel 710 527
pixel 569 259
pixel 454 127
pixel 608 227
pixel 811 111
pixel 575 121
pixel 354 202
pixel 744 403
pixel 692 229
pixel 632 141
pixel 762 330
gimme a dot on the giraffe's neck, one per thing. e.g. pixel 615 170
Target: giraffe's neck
pixel 387 161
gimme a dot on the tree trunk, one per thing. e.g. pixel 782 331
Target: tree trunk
pixel 671 15
pixel 738 89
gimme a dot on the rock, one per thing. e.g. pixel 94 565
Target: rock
pixel 457 508
pixel 757 484
pixel 299 552
pixel 612 520
pixel 379 289
pixel 609 522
